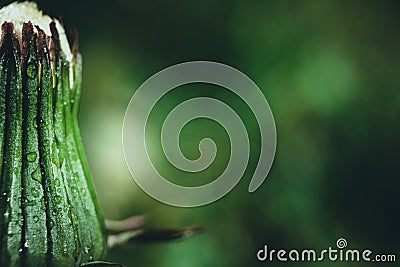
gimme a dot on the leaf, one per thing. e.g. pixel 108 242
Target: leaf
pixel 152 235
pixel 127 224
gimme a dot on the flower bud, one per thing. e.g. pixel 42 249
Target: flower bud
pixel 49 214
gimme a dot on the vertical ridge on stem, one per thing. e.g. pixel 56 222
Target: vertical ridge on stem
pixel 12 154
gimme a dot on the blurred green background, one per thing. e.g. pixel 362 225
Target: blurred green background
pixel 330 71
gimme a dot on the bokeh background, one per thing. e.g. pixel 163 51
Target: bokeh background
pixel 330 71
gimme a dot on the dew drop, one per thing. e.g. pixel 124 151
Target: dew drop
pixel 87 249
pixel 31 157
pixel 83 193
pixel 65 248
pixel 36 175
pixel 35 193
pixel 46 143
pixel 31 71
pixel 35 219
pixel 57 199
